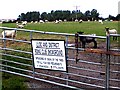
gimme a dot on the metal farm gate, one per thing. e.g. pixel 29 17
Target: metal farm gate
pixel 87 67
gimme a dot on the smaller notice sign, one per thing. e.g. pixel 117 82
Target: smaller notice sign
pixel 49 54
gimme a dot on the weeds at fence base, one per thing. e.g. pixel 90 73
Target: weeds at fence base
pixel 12 82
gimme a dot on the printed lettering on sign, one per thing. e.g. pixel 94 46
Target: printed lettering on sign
pixel 49 54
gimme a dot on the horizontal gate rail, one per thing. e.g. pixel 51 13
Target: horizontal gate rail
pixel 86 69
pixel 87 62
pixel 15 40
pixel 52 33
pixel 16 62
pixel 16 50
pixel 16 56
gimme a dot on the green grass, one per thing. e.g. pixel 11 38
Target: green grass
pixel 12 82
pixel 70 27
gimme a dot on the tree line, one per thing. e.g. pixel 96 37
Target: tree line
pixel 64 15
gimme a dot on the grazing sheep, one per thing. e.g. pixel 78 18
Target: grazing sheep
pixel 88 20
pixel 76 20
pixel 60 20
pixel 100 21
pixel 65 20
pixel 46 21
pixel 80 21
pixel 35 22
pixel 1 22
pixel 85 40
pixel 20 26
pixel 112 31
pixel 24 22
pixel 56 22
pixel 9 34
pixel 41 21
pixel 31 22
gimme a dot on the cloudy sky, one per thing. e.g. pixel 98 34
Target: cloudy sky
pixel 10 9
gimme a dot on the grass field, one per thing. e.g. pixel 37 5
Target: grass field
pixel 70 27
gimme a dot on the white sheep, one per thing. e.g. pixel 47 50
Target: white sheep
pixel 31 22
pixel 24 22
pixel 88 20
pixel 100 21
pixel 60 20
pixel 35 22
pixel 112 31
pixel 1 22
pixel 80 21
pixel 41 21
pixel 56 21
pixel 46 21
pixel 9 34
pixel 20 26
pixel 76 20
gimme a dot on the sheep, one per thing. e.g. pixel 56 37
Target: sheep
pixel 20 26
pixel 112 31
pixel 80 21
pixel 76 20
pixel 17 22
pixel 65 20
pixel 85 40
pixel 56 21
pixel 46 21
pixel 1 22
pixel 24 22
pixel 41 21
pixel 60 20
pixel 100 21
pixel 88 20
pixel 31 22
pixel 35 22
pixel 9 34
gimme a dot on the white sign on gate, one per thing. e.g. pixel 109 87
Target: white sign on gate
pixel 49 54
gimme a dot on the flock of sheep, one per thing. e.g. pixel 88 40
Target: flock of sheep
pixel 12 33
pixel 21 25
pixel 56 21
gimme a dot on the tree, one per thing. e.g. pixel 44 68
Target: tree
pixel 87 15
pixel 94 14
pixel 22 17
pixel 44 16
pixel 29 16
pixel 118 17
pixel 63 15
pixel 111 17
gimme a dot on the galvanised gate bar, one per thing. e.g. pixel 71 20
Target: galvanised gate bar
pixel 87 67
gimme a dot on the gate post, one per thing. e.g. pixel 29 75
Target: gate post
pixel 107 63
pixel 32 61
pixel 66 45
pixel 32 56
pixel 5 45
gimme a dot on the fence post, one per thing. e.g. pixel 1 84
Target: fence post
pixel 66 44
pixel 32 56
pixel 107 63
pixel 4 40
pixel 32 61
pixel 5 46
